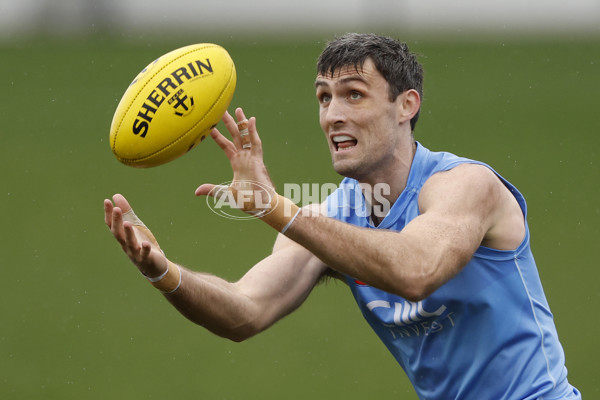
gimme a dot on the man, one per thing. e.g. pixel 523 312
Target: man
pixel 438 259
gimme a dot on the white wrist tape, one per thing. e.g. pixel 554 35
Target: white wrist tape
pixel 169 281
pixel 285 228
pixel 158 278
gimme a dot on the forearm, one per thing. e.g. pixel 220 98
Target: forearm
pixel 215 304
pixel 391 261
pixel 270 290
pixel 376 257
pixel 345 249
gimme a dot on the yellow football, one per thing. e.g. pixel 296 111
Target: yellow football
pixel 172 105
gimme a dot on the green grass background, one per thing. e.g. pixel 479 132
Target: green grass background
pixel 78 321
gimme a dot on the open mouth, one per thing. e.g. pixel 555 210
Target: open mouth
pixel 344 142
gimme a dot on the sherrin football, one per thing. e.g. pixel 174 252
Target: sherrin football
pixel 172 105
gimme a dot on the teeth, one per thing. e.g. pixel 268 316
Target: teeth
pixel 342 138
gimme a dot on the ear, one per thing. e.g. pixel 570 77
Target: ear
pixel 409 103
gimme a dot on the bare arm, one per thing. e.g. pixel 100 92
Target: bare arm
pixel 269 291
pixel 266 293
pixel 460 209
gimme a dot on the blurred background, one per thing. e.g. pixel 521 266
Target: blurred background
pixel 515 84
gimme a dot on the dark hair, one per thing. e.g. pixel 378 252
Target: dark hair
pixel 392 59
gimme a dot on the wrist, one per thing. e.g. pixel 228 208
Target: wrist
pixel 169 281
pixel 281 213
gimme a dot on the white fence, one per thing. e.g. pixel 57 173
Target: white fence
pixel 303 16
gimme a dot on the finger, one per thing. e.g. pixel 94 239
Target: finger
pixel 239 114
pixel 237 130
pixel 108 208
pixel 242 127
pixel 225 144
pixel 231 126
pixel 130 239
pixel 244 134
pixel 146 249
pixel 253 137
pixel 117 225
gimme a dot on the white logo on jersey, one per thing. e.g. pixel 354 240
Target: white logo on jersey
pixel 406 313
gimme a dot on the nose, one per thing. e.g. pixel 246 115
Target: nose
pixel 335 112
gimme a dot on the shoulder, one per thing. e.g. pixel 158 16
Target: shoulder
pixel 474 194
pixel 465 198
pixel 466 182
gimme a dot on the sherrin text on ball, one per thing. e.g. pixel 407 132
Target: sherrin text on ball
pixel 172 105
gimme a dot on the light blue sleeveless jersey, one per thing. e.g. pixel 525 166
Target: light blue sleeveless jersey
pixel 487 334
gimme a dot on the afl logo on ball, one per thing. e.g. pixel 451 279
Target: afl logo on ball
pixel 182 104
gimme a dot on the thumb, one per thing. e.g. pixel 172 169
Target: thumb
pixel 208 189
pixel 128 214
pixel 121 202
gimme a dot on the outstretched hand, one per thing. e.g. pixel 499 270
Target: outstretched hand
pixel 135 238
pixel 245 155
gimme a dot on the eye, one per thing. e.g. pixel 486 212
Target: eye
pixel 354 95
pixel 324 98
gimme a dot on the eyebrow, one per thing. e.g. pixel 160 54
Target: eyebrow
pixel 342 81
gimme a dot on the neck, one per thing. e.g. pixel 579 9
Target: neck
pixel 382 188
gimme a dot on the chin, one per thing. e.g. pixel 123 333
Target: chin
pixel 346 169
